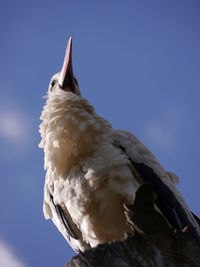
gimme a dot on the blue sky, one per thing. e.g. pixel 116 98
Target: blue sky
pixel 137 62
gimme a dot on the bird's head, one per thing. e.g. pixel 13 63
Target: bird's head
pixel 65 80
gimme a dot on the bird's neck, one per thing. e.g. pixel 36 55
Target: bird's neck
pixel 71 132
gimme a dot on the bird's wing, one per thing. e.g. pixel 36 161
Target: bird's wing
pixel 62 219
pixel 169 200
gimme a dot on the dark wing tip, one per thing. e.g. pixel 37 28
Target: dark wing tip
pixel 64 220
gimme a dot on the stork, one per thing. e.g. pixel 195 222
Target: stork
pixel 92 170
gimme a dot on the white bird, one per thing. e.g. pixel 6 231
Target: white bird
pixel 93 169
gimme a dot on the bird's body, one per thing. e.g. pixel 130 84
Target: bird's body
pixel 86 172
pixel 92 170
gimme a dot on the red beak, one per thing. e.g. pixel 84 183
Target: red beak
pixel 66 78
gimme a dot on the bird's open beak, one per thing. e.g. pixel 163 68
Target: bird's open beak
pixel 66 78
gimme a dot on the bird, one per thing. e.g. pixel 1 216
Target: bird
pixel 93 170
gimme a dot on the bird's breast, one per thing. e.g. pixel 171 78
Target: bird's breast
pixel 94 197
pixel 70 134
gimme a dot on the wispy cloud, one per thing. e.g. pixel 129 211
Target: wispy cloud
pixel 163 131
pixel 14 126
pixel 8 257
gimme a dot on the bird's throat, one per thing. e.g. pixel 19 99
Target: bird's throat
pixel 70 132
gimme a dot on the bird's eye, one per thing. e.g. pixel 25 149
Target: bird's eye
pixel 52 84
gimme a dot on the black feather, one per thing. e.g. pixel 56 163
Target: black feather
pixel 62 217
pixel 166 200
